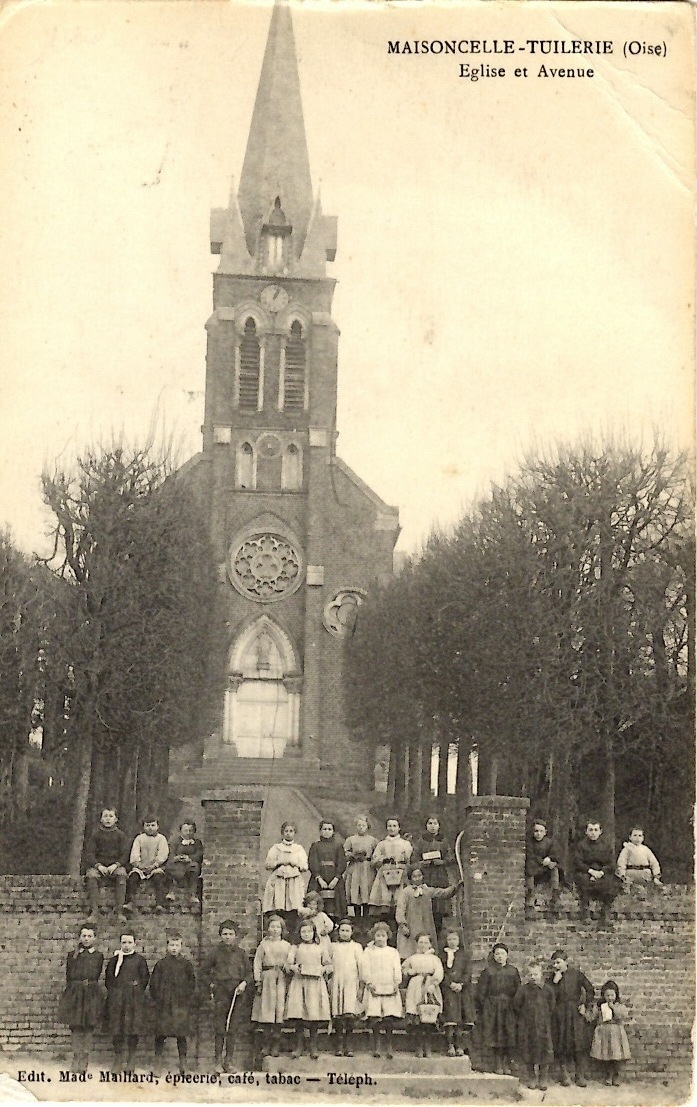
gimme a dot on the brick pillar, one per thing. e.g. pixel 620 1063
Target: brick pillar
pixel 231 867
pixel 494 845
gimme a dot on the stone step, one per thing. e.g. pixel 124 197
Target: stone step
pixel 405 1076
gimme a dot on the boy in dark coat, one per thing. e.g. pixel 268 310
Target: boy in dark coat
pixel 184 865
pixel 541 867
pixel 226 972
pixel 107 857
pixel 456 988
pixel 172 989
pixel 81 1005
pixel 573 996
pixel 126 980
pixel 594 872
pixel 534 1003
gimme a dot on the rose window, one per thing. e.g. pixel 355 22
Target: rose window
pixel 265 567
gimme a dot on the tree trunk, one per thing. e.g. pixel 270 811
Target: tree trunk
pixel 399 779
pixel 391 775
pixel 20 782
pixel 443 749
pixel 82 791
pixel 607 789
pixel 425 769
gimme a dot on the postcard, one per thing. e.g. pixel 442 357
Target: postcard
pixel 349 265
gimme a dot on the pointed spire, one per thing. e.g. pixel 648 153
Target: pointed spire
pixel 276 162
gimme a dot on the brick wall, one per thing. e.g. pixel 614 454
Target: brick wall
pixel 648 950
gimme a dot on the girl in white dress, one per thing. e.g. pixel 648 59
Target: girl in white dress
pixel 389 861
pixel 381 973
pixel 270 979
pixel 347 957
pixel 425 971
pixel 286 863
pixel 307 999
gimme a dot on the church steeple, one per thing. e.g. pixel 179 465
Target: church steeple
pixel 276 163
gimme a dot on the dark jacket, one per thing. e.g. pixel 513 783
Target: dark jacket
pixel 107 846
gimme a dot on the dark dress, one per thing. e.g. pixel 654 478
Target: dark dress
pixel 458 1007
pixel 328 860
pixel 570 1033
pixel 496 989
pixel 224 969
pixel 534 1006
pixel 125 999
pixel 595 855
pixel 436 876
pixel 178 870
pixel 172 988
pixel 81 1005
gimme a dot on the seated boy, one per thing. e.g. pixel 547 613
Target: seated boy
pixel 106 857
pixel 636 862
pixel 185 860
pixel 149 853
pixel 541 866
pixel 593 871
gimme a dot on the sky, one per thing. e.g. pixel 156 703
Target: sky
pixel 515 255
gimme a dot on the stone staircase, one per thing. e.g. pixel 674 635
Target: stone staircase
pixel 404 1075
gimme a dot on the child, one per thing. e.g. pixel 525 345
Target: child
pixel 534 1003
pixel 270 960
pixel 573 996
pixel 610 1044
pixel 126 979
pixel 637 863
pixel 594 872
pixel 172 989
pixel 433 854
pixel 106 857
pixel 82 1004
pixel 184 865
pixel 286 863
pixel 327 863
pixel 496 989
pixel 381 973
pixel 389 861
pixel 359 848
pixel 414 911
pixel 149 853
pixel 307 1000
pixel 541 867
pixel 226 972
pixel 425 973
pixel 458 1001
pixel 312 912
pixel 346 974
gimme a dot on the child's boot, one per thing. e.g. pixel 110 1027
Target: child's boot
pixel 531 1081
pixel 182 1051
pixel 388 1043
pixel 585 906
pixel 340 1038
pixel 616 1074
pixel 376 1043
pixel 299 1042
pixel 313 1043
pixel 275 1043
pixel 542 1078
pixel 608 1074
pixel 553 905
pixel 218 1047
pixel 564 1078
pixel 581 1071
pixel 450 1033
pixel 498 1062
pixel 605 914
pixel 117 1063
pixel 132 1047
pixel 461 1043
pixel 348 1040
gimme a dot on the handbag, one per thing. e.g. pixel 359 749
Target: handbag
pixel 428 1012
pixel 393 875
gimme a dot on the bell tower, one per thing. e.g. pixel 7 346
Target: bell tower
pixel 300 539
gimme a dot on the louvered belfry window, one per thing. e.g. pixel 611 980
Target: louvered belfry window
pixel 250 364
pixel 294 376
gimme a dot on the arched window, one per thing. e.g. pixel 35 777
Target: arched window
pixel 249 369
pixel 294 370
pixel 244 474
pixel 292 469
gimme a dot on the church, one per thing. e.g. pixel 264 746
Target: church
pixel 298 537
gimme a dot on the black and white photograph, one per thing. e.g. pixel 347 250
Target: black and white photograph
pixel 347 552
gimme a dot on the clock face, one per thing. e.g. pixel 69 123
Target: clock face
pixel 274 298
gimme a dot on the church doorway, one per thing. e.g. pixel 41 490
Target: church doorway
pixel 262 701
